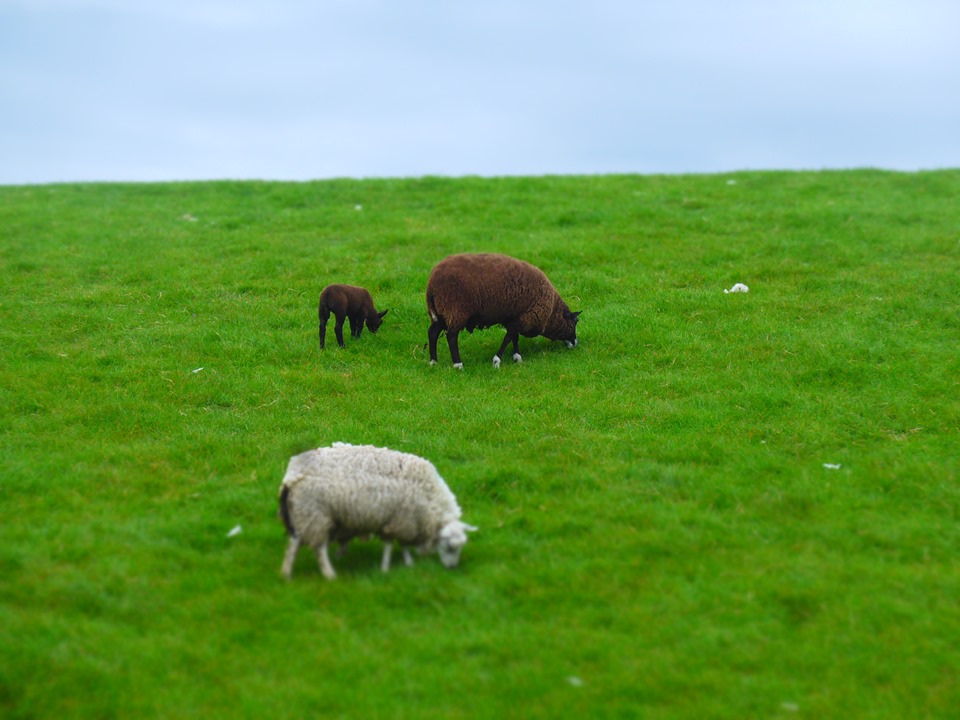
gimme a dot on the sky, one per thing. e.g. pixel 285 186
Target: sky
pixel 164 90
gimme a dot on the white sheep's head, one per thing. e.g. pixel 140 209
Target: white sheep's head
pixel 450 541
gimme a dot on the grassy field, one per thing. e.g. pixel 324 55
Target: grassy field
pixel 660 535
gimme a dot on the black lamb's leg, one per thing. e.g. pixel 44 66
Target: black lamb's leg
pixel 338 328
pixel 324 316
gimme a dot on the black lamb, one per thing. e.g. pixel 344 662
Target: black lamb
pixel 348 301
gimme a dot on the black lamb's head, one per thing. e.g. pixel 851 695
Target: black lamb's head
pixel 375 320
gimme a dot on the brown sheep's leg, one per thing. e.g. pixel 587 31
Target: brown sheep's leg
pixel 338 328
pixel 511 337
pixel 433 334
pixel 454 348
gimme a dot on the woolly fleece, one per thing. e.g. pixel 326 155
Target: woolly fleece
pixel 339 492
pixel 479 290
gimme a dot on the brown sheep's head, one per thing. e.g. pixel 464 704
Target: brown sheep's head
pixel 563 325
pixel 375 321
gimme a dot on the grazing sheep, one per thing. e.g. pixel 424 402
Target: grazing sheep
pixel 469 291
pixel 334 494
pixel 348 301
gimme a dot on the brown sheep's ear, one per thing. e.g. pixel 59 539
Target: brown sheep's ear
pixel 384 313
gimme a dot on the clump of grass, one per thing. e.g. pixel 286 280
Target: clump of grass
pixel 659 532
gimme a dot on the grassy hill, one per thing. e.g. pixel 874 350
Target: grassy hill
pixel 718 505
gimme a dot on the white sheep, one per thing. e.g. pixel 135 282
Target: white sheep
pixel 334 494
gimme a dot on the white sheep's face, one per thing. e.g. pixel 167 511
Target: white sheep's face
pixel 452 538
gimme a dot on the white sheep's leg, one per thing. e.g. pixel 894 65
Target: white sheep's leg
pixel 323 557
pixel 407 557
pixel 290 556
pixel 387 552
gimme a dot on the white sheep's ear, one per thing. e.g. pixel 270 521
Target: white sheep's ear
pixel 469 528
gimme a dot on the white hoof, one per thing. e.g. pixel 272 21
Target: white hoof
pixel 571 345
pixel 496 361
pixel 517 358
pixel 432 363
pixel 458 366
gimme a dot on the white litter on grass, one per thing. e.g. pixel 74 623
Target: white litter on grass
pixel 739 287
pixel 731 182
pixel 358 207
pixel 575 681
pixel 236 531
pixel 832 466
pixel 197 370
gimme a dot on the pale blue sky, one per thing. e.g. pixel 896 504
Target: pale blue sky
pixel 138 90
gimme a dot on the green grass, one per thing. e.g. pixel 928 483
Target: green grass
pixel 659 535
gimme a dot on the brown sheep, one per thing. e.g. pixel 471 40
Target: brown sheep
pixel 469 291
pixel 348 301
